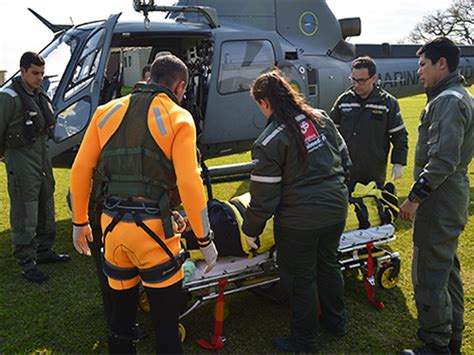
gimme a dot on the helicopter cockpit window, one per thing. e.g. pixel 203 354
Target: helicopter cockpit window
pixel 72 120
pixel 57 55
pixel 86 67
pixel 242 62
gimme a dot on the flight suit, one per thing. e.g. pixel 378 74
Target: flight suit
pixel 443 153
pixel 129 247
pixel 29 173
pixel 368 127
pixel 309 205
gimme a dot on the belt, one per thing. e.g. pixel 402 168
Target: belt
pixel 130 204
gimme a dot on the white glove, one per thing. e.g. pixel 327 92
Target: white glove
pixel 210 255
pixel 251 242
pixel 397 171
pixel 80 236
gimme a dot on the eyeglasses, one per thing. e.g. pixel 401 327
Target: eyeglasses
pixel 359 81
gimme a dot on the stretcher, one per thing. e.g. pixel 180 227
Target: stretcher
pixel 361 249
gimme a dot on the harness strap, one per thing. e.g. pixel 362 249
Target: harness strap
pixel 139 222
pixel 166 218
pixel 117 272
pixel 163 271
pixel 154 274
pixel 113 223
pixel 238 205
pixel 383 217
pixel 361 212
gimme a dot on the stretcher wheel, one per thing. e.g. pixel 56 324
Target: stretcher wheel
pixel 182 332
pixel 389 274
pixel 143 302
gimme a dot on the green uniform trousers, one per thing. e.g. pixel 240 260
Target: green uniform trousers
pixel 31 212
pixel 310 273
pixel 437 283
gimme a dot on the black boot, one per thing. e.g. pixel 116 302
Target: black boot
pixel 35 275
pixel 455 346
pixel 139 333
pixel 426 349
pixel 121 344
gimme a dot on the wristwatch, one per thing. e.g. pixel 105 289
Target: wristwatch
pixel 412 197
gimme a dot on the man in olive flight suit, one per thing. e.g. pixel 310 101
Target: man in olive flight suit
pixel 369 119
pixel 26 119
pixel 440 198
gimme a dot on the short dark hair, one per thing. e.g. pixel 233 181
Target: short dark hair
pixel 365 63
pixel 167 69
pixel 441 47
pixel 146 68
pixel 31 58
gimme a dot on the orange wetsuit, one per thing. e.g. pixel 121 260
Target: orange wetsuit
pixel 127 245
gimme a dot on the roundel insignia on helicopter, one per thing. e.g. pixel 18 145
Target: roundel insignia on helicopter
pixel 308 23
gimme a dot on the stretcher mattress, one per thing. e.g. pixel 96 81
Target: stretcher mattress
pixel 363 236
pixel 230 264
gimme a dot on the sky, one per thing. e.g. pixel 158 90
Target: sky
pixel 20 31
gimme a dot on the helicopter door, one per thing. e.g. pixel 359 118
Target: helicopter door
pixel 330 79
pixel 78 97
pixel 233 121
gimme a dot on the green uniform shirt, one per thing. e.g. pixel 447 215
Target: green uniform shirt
pixel 26 165
pixel 281 186
pixel 368 127
pixel 445 134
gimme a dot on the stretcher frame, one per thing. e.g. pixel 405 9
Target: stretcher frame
pixel 264 272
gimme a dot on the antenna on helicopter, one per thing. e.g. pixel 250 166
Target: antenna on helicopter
pixel 146 6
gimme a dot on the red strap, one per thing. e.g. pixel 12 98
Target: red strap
pixel 369 281
pixel 216 340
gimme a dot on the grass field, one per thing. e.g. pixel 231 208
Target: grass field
pixel 65 314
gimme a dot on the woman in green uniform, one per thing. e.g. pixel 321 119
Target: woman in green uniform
pixel 300 167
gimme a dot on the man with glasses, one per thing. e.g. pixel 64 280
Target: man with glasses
pixel 369 119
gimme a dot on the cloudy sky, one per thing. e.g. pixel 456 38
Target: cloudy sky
pixel 382 20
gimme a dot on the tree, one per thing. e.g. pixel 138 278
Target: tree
pixel 456 22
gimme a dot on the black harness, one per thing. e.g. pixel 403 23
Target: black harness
pixel 138 210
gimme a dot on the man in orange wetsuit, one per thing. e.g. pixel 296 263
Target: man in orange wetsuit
pixel 141 151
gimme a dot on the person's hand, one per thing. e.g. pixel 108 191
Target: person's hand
pixel 408 209
pixel 251 242
pixel 80 236
pixel 397 171
pixel 210 255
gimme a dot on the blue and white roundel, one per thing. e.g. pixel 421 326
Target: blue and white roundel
pixel 308 23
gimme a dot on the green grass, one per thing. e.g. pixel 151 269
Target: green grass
pixel 65 314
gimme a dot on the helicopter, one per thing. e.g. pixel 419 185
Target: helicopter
pixel 226 45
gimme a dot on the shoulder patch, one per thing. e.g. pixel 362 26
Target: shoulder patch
pixel 9 91
pixel 273 134
pixel 448 92
pixel 452 93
